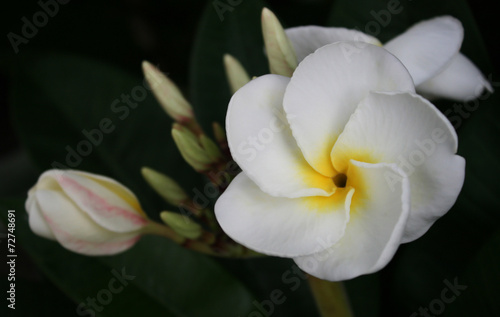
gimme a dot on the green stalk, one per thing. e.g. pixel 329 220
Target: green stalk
pixel 331 298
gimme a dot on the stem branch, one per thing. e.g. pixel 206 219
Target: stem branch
pixel 331 298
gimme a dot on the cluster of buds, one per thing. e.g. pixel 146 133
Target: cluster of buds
pixel 95 215
pixel 210 157
pixel 207 156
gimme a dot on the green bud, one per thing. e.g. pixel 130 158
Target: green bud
pixel 168 94
pixel 219 133
pixel 210 147
pixel 235 73
pixel 279 49
pixel 181 224
pixel 165 186
pixel 191 150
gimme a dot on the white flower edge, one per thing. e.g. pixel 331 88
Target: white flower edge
pixel 429 49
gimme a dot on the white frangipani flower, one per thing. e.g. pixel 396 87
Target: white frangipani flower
pixel 341 163
pixel 430 50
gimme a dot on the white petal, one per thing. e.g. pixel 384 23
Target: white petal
pixel 262 144
pixel 327 87
pixel 36 221
pixel 75 230
pixel 107 202
pixel 307 39
pixel 281 226
pixel 461 80
pixel 428 46
pixel 374 231
pixel 408 130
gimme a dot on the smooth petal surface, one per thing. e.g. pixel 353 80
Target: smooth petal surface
pixel 407 130
pixel 36 221
pixel 307 39
pixel 461 80
pixel 375 228
pixel 278 226
pixel 428 47
pixel 76 231
pixel 327 87
pixel 107 202
pixel 262 144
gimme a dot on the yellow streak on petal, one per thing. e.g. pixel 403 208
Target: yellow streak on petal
pixel 122 193
pixel 336 201
pixel 314 179
pixel 357 180
pixel 322 204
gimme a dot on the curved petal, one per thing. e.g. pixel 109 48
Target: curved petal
pixel 461 80
pixel 374 231
pixel 327 87
pixel 107 202
pixel 76 231
pixel 408 130
pixel 262 144
pixel 121 191
pixel 36 221
pixel 281 226
pixel 307 39
pixel 428 46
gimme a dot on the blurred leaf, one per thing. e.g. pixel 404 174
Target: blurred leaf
pixel 60 100
pixel 237 32
pixel 167 280
pixel 481 278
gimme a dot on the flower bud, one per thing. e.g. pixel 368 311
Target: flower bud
pixel 279 49
pixel 210 147
pixel 235 73
pixel 86 213
pixel 165 186
pixel 168 94
pixel 190 148
pixel 181 224
pixel 219 133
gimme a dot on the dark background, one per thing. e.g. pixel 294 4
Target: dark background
pixel 122 34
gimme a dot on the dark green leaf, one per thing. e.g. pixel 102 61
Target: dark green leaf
pixel 237 32
pixel 72 111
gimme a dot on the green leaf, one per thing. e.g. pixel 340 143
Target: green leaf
pixel 162 278
pixel 74 112
pixel 237 32
pixel 481 278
